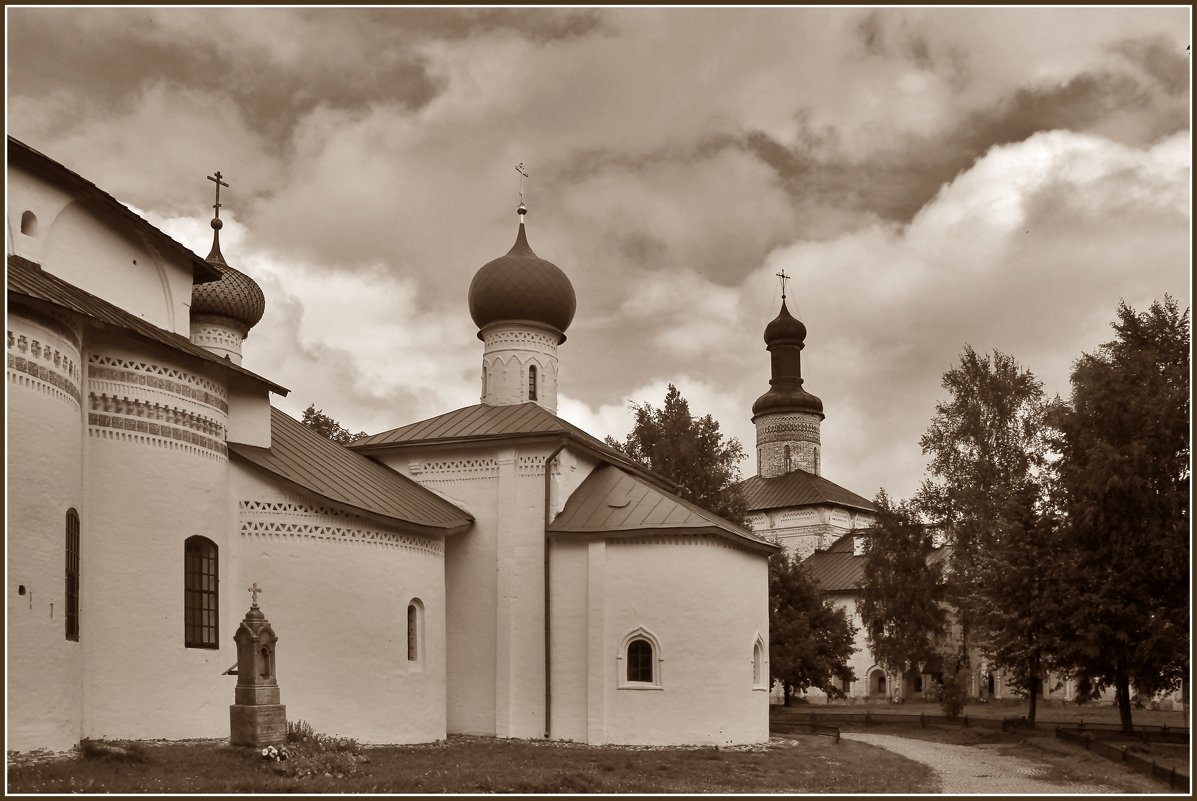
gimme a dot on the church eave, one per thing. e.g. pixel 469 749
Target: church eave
pixel 752 543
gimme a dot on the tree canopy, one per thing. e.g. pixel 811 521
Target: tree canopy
pixel 901 592
pixel 1124 483
pixel 690 451
pixel 327 427
pixel 810 638
pixel 988 444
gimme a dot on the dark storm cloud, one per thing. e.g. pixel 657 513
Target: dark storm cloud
pixel 897 180
pixel 1161 59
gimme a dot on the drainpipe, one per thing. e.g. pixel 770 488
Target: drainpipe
pixel 548 653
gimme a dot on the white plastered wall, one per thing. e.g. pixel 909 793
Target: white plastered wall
pixel 45 463
pixel 705 604
pixel 336 588
pixel 115 263
pixel 495 577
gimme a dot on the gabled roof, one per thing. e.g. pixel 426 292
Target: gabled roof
pixel 29 280
pixel 303 457
pixel 612 501
pixel 798 488
pixel 22 154
pixel 483 422
pixel 837 570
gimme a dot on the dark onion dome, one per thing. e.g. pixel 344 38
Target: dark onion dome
pixel 784 338
pixel 793 399
pixel 785 328
pixel 522 286
pixel 235 296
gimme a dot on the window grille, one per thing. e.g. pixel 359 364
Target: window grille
pixel 200 596
pixel 72 575
pixel 413 622
pixel 532 382
pixel 640 661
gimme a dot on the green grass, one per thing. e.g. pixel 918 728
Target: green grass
pixel 803 764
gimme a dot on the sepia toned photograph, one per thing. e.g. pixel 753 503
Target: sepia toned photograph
pixel 421 400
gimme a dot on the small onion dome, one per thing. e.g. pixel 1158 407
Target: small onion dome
pixel 522 286
pixel 235 295
pixel 787 399
pixel 785 329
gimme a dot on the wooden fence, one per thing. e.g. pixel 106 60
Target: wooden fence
pixel 1177 780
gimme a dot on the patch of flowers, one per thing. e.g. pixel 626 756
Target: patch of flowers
pixel 310 753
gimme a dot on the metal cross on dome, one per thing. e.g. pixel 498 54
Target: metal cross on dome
pixel 254 590
pixel 219 183
pixel 523 177
pixel 782 275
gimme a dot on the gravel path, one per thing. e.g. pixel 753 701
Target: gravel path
pixel 975 768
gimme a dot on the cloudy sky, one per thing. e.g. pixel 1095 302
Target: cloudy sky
pixel 931 177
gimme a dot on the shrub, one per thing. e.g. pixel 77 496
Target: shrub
pixel 113 750
pixel 298 731
pixel 953 692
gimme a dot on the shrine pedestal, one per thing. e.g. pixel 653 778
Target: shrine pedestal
pixel 256 718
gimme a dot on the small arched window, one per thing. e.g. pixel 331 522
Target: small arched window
pixel 758 664
pixel 789 465
pixel 413 631
pixel 816 461
pixel 532 382
pixel 72 574
pixel 200 593
pixel 640 661
pixel 29 224
pixel 484 381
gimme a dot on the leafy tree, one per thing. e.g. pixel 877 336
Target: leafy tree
pixel 1124 481
pixel 327 427
pixel 901 593
pixel 989 446
pixel 810 637
pixel 690 451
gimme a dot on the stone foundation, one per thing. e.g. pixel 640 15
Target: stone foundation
pixel 259 725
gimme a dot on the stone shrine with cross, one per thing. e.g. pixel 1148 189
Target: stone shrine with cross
pixel 256 718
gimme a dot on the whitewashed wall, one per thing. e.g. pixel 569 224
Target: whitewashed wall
pixel 45 457
pixel 113 263
pixel 704 602
pixel 336 588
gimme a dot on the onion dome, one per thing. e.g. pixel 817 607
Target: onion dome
pixel 785 337
pixel 785 329
pixel 521 286
pixel 235 295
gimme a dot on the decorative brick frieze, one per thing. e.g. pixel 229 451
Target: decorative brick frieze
pixel 302 518
pixel 43 355
pixel 796 431
pixel 163 406
pixel 458 468
pixel 678 540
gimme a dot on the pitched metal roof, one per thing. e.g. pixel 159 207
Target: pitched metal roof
pixel 303 457
pixel 27 279
pixel 798 488
pixel 837 570
pixel 24 155
pixel 612 501
pixel 483 422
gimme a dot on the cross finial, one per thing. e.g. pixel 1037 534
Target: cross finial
pixel 523 177
pixel 254 590
pixel 219 183
pixel 782 275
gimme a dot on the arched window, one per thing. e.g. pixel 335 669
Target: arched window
pixel 816 460
pixel 200 593
pixel 72 574
pixel 641 658
pixel 413 630
pixel 758 664
pixel 483 381
pixel 640 661
pixel 786 458
pixel 29 224
pixel 532 382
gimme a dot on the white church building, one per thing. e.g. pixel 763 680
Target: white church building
pixel 493 570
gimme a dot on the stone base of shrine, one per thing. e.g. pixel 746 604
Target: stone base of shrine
pixel 258 725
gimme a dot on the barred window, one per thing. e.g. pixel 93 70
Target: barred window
pixel 72 575
pixel 413 628
pixel 200 579
pixel 532 382
pixel 640 661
